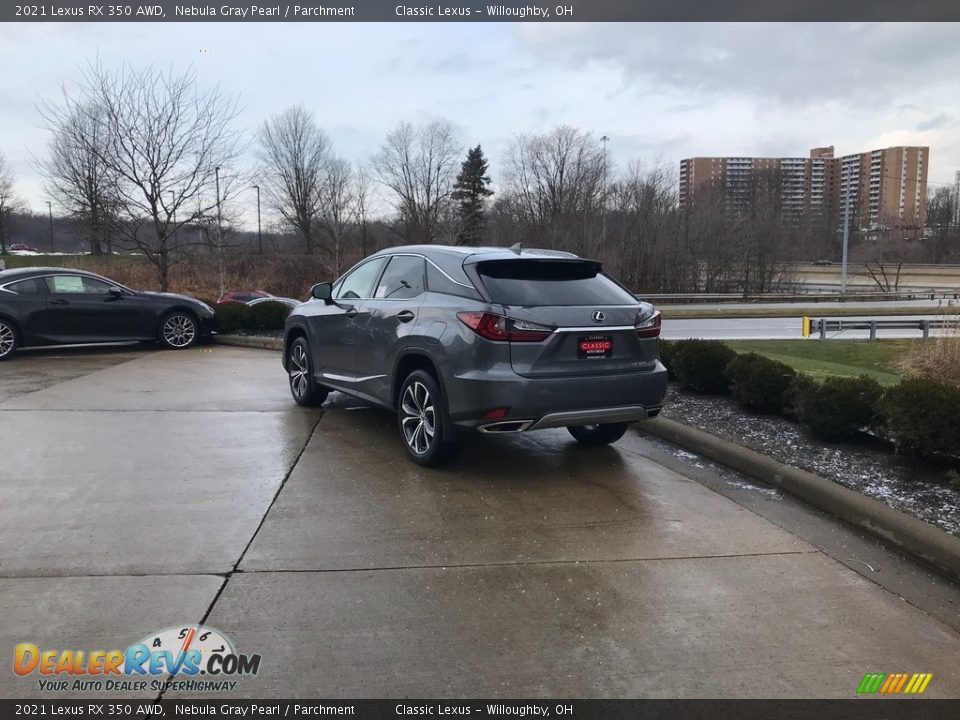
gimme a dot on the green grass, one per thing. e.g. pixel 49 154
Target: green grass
pixel 846 358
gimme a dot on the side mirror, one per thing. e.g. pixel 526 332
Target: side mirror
pixel 322 291
pixel 115 293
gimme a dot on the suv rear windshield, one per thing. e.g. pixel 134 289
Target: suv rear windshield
pixel 550 282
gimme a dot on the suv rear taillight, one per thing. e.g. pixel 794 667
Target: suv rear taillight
pixel 650 327
pixel 504 329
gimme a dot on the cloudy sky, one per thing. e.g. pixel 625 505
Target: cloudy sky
pixel 660 92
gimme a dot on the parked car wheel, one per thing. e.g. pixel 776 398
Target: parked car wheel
pixel 9 340
pixel 302 386
pixel 422 421
pixel 178 330
pixel 595 435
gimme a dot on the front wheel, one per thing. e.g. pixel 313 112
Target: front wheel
pixel 422 421
pixel 179 331
pixel 305 391
pixel 595 435
pixel 8 339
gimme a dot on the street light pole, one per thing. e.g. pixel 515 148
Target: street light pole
pixel 50 211
pixel 216 172
pixel 846 240
pixel 173 205
pixel 259 231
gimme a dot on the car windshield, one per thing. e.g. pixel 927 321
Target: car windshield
pixel 550 282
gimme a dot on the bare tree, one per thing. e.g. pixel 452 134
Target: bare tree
pixel 557 181
pixel 418 166
pixel 336 205
pixel 362 206
pixel 294 154
pixel 165 140
pixel 76 173
pixel 7 201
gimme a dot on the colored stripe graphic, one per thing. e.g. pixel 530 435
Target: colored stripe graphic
pixel 894 683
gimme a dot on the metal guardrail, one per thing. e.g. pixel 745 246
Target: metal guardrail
pixel 812 298
pixel 822 326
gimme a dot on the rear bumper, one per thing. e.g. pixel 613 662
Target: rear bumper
pixel 536 404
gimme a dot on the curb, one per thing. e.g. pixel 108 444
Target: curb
pixel 904 532
pixel 258 343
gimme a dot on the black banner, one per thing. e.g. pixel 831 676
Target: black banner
pixel 466 11
pixel 857 709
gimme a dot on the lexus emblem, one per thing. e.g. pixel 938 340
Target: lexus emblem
pixel 599 316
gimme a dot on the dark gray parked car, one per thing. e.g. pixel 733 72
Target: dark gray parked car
pixel 486 339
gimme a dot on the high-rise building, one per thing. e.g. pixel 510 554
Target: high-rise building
pixel 884 188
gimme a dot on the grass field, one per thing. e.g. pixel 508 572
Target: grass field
pixel 879 358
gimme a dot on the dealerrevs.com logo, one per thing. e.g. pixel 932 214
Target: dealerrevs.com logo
pixel 187 658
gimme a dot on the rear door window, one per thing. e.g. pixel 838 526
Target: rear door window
pixel 31 286
pixel 403 278
pixel 549 282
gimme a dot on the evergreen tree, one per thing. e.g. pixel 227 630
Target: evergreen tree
pixel 470 191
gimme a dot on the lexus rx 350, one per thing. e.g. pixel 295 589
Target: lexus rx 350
pixel 493 340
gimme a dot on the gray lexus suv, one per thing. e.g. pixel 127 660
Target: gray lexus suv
pixel 493 340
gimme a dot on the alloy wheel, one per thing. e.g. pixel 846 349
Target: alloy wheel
pixel 299 367
pixel 418 417
pixel 179 331
pixel 7 339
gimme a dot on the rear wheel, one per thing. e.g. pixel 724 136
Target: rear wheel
pixel 305 391
pixel 598 434
pixel 179 330
pixel 423 422
pixel 9 341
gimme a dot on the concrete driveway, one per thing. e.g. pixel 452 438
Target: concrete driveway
pixel 143 490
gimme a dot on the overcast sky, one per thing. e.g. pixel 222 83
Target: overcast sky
pixel 660 92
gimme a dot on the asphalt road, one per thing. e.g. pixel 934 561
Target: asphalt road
pixel 144 490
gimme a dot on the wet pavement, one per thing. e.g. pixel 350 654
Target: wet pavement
pixel 148 489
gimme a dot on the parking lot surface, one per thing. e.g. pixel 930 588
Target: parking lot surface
pixel 145 489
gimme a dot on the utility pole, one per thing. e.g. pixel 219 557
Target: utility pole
pixel 216 172
pixel 603 208
pixel 50 211
pixel 259 231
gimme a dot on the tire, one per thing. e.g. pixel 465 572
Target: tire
pixel 596 435
pixel 305 391
pixel 179 330
pixel 421 418
pixel 9 339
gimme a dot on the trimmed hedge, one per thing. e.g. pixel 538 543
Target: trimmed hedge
pixel 923 416
pixel 840 407
pixel 760 383
pixel 700 365
pixel 237 316
pixel 668 351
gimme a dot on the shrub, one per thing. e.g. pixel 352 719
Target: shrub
pixel 232 316
pixel 840 407
pixel 267 316
pixel 937 359
pixel 700 365
pixel 668 351
pixel 800 386
pixel 923 416
pixel 760 383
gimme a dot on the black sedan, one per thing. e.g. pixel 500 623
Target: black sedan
pixel 56 306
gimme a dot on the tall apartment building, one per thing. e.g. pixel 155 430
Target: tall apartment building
pixel 885 188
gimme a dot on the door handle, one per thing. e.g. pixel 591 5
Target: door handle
pixel 59 301
pixel 405 316
pixel 351 312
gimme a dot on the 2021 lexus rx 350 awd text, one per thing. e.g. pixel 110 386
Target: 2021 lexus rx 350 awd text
pixel 495 340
